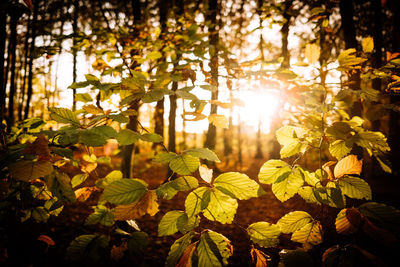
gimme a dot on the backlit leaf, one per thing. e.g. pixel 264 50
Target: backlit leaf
pixel 286 187
pixel 259 258
pixel 184 164
pixel 177 249
pixel 312 53
pixel 203 153
pixel 294 221
pixel 355 188
pixel 348 221
pixel 127 137
pixel 168 224
pixel 213 249
pixel 264 234
pixel 186 260
pixel 146 205
pixel 272 170
pixel 309 235
pixel 124 191
pixel 64 115
pixel 205 173
pixel 221 207
pixel 26 170
pixel 183 183
pixel 193 201
pixel 220 121
pixel 339 149
pixel 101 215
pixel 237 185
pixel 368 44
pixel 348 165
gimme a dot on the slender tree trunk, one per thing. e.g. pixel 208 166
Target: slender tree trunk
pixel 25 76
pixel 285 34
pixel 3 25
pixel 13 49
pixel 74 50
pixel 259 153
pixel 31 54
pixel 211 137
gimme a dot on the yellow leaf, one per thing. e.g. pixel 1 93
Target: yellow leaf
pixel 327 168
pixel 259 258
pixel 348 221
pixel 82 194
pixel 186 260
pixel 348 165
pixel 312 53
pixel 147 204
pixel 220 121
pixel 92 109
pixel 221 104
pixel 205 173
pixel 368 44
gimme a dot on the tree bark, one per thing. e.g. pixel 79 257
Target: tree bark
pixel 74 50
pixel 211 137
pixel 12 53
pixel 3 25
pixel 285 34
pixel 25 76
pixel 31 54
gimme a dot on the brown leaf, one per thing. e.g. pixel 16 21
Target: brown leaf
pixel 348 221
pixel 348 165
pixel 117 252
pixel 327 167
pixel 147 204
pixel 26 170
pixel 82 194
pixel 379 234
pixel 259 258
pixel 40 148
pixel 46 239
pixel 186 260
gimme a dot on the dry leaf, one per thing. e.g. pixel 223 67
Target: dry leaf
pixel 82 194
pixel 147 204
pixel 46 239
pixel 327 168
pixel 205 173
pixel 348 165
pixel 259 258
pixel 117 253
pixel 197 116
pixel 220 121
pixel 39 147
pixel 186 260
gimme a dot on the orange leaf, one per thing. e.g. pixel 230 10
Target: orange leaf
pixel 117 253
pixel 348 221
pixel 348 165
pixel 259 258
pixel 46 240
pixel 147 204
pixel 82 194
pixel 327 168
pixel 186 260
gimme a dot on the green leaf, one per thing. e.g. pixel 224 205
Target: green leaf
pixel 86 247
pixel 213 250
pixel 177 249
pixel 382 215
pixel 186 224
pixel 127 137
pixel 355 188
pixel 309 235
pixel 91 78
pixel 63 152
pixel 307 193
pixel 164 157
pixel 168 224
pixel 101 215
pixel 153 96
pixel 154 55
pixel 26 170
pixel 339 149
pixel 221 207
pixel 119 118
pixel 64 115
pixel 170 189
pixel 264 234
pixel 193 201
pixel 105 131
pixel 184 164
pixel 286 187
pixel 83 97
pixel 60 186
pixel 78 179
pixel 272 170
pixel 203 153
pixel 292 149
pixel 40 214
pixel 151 137
pixel 294 221
pixel 124 191
pixel 137 242
pixel 111 177
pixel 237 185
pixel 92 138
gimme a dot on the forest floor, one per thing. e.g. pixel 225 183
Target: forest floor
pixel 71 223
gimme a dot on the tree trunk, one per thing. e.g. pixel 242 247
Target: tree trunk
pixel 31 54
pixel 211 137
pixel 3 25
pixel 12 53
pixel 285 34
pixel 25 77
pixel 74 50
pixel 259 153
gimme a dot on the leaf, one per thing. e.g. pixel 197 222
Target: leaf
pixel 286 187
pixel 171 188
pixel 186 224
pixel 259 258
pixel 292 149
pixel 27 171
pixel 177 249
pixel 220 121
pixel 60 186
pixel 92 138
pixel 309 235
pixel 294 221
pixel 127 137
pixel 307 193
pixel 151 137
pixel 205 173
pixel 213 250
pixel 111 177
pixel 153 96
pixel 339 149
pixel 264 234
pixel 348 221
pixel 294 258
pixel 92 109
pixel 193 201
pixel 203 153
pixel 368 44
pixel 347 59
pixel 46 239
pixel 168 224
pixel 137 242
pixel 348 165
pixel 78 179
pixel 272 170
pixel 237 185
pixel 124 191
pixel 118 252
pixel 83 194
pixel 186 259
pixel 86 247
pixel 382 215
pixel 64 115
pixel 40 214
pixel 101 215
pixel 221 207
pixel 312 53
pixel 184 164
pixel 154 55
pixel 164 157
pixel 146 205
pixel 355 188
